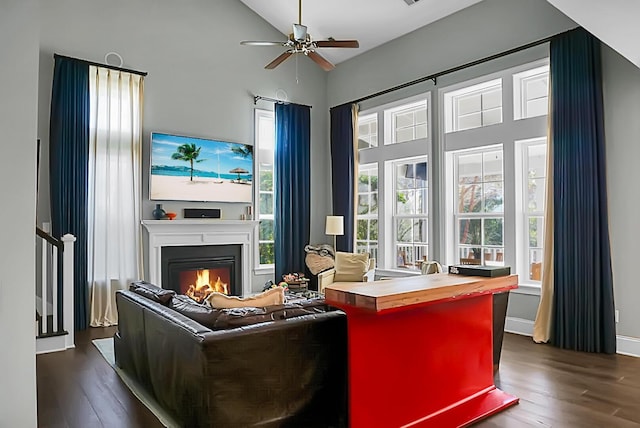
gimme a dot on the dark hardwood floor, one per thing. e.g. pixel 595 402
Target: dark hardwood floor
pixel 79 389
pixel 557 388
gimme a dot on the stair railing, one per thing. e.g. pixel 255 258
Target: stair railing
pixel 54 308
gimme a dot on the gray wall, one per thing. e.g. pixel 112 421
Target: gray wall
pixel 18 74
pixel 200 80
pixel 622 131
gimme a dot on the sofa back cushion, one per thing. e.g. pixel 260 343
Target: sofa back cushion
pixel 200 313
pixel 152 292
pixel 239 317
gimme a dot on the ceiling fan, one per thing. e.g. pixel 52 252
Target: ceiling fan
pixel 300 41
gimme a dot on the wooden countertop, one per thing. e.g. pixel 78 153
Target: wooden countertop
pixel 399 292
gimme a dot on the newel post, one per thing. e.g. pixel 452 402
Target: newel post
pixel 67 288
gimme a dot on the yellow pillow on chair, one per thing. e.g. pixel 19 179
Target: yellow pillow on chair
pixel 351 267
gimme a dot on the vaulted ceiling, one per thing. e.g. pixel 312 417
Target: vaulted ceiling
pixel 375 22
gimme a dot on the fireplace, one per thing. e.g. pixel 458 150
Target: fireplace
pixel 199 269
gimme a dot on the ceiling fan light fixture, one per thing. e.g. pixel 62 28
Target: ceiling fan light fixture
pixel 299 32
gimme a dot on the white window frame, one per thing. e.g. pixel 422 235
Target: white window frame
pixel 368 119
pixel 261 269
pixel 398 217
pixel 369 216
pixel 383 156
pixel 520 92
pixel 482 215
pixel 523 214
pixel 507 134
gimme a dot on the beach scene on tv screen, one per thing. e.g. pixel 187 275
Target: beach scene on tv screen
pixel 196 169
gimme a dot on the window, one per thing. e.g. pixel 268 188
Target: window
pixel 367 214
pixel 406 123
pixel 474 106
pixel 265 143
pixel 531 93
pixel 533 181
pixel 411 222
pixel 393 184
pixel 479 209
pixel 495 176
pixel 367 131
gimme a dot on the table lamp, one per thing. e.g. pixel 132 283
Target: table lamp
pixel 334 226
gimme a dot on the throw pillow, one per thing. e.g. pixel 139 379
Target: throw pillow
pixel 351 267
pixel 317 263
pixel 273 296
pixel 152 291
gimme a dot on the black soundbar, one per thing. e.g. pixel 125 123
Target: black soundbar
pixel 202 213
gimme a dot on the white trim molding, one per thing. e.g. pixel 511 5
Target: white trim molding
pixel 519 326
pixel 625 345
pixel 163 233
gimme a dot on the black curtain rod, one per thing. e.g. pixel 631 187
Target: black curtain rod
pixel 97 64
pixel 435 76
pixel 257 98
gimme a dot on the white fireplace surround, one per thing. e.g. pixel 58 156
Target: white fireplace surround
pixel 166 233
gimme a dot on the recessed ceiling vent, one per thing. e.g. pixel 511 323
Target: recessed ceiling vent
pixel 410 2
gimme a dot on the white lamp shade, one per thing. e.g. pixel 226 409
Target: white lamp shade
pixel 334 225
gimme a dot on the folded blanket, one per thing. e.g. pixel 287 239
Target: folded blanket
pixel 320 249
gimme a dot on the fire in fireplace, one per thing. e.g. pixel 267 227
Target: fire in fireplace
pixel 198 284
pixel 199 270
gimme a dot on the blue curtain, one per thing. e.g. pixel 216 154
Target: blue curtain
pixel 343 170
pixel 68 164
pixel 583 306
pixel 292 187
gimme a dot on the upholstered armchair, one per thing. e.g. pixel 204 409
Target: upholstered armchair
pixel 349 267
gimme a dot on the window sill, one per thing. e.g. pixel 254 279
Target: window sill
pixel 266 270
pixel 527 289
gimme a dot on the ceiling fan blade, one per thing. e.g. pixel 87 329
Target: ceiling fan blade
pixel 276 62
pixel 321 61
pixel 338 44
pixel 261 43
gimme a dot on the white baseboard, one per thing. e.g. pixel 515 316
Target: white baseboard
pixel 518 326
pixel 625 345
pixel 628 346
pixel 45 345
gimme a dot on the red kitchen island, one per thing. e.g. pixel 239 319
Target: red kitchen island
pixel 420 350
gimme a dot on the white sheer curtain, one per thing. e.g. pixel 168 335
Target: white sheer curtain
pixel 115 151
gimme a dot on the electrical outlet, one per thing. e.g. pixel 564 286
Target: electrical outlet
pixel 617 315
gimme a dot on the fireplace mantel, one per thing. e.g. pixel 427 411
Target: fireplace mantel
pixel 164 233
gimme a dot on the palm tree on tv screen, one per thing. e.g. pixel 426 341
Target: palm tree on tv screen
pixel 243 150
pixel 188 153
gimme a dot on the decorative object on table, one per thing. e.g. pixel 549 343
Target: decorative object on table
pixel 201 213
pixel 158 213
pixel 334 226
pixel 480 270
pixel 430 266
pixel 295 280
pixel 171 216
pixel 319 258
pixel 249 212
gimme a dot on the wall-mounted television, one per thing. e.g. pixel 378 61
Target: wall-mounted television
pixel 199 169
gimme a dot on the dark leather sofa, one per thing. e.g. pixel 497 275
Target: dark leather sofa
pixel 287 372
